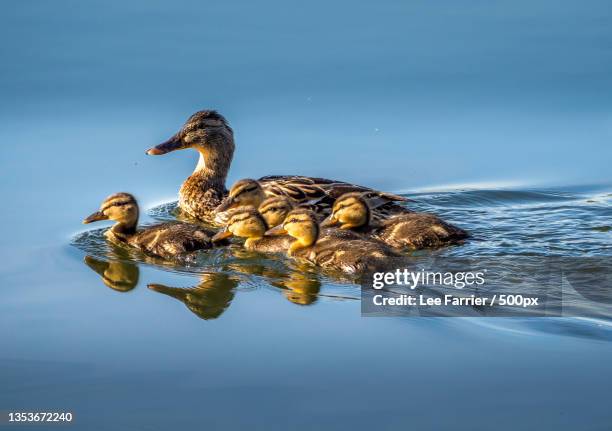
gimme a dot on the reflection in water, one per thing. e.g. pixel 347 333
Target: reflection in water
pixel 118 275
pixel 505 223
pixel 300 288
pixel 209 299
pixel 115 266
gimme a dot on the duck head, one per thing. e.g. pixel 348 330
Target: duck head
pixel 205 131
pixel 349 211
pixel 246 192
pixel 302 225
pixel 245 223
pixel 275 209
pixel 120 207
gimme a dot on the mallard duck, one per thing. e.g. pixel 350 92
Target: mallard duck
pixel 331 248
pixel 248 223
pixel 411 231
pixel 167 240
pixel 209 133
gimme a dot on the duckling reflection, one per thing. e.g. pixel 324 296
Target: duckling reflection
pixel 300 288
pixel 209 299
pixel 118 275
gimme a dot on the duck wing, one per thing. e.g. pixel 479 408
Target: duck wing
pixel 303 189
pixel 172 239
pixel 417 231
pixel 319 194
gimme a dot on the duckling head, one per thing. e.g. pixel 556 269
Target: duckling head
pixel 275 209
pixel 302 225
pixel 349 211
pixel 245 223
pixel 246 192
pixel 120 207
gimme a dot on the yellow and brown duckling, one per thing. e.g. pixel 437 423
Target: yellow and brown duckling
pixel 411 231
pixel 248 223
pixel 331 248
pixel 249 193
pixel 167 240
pixel 274 210
pixel 209 133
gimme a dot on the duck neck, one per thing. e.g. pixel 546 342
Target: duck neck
pixel 124 230
pixel 305 241
pixel 212 168
pixel 251 243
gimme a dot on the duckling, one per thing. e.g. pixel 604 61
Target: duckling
pixel 248 192
pixel 209 133
pixel 248 223
pixel 274 210
pixel 167 240
pixel 330 249
pixel 411 231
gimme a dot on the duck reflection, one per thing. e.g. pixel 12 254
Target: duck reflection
pixel 209 299
pixel 299 287
pixel 118 275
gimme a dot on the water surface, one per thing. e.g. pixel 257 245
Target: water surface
pixel 510 97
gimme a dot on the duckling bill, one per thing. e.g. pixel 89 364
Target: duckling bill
pixel 170 240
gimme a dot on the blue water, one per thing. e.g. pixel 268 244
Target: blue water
pixel 494 115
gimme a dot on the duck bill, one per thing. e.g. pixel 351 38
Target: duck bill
pixel 226 204
pixel 172 144
pixel 220 236
pixel 99 266
pixel 171 291
pixel 97 216
pixel 329 221
pixel 278 230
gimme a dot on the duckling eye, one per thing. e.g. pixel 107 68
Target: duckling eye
pixel 341 207
pixel 236 220
pixel 243 191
